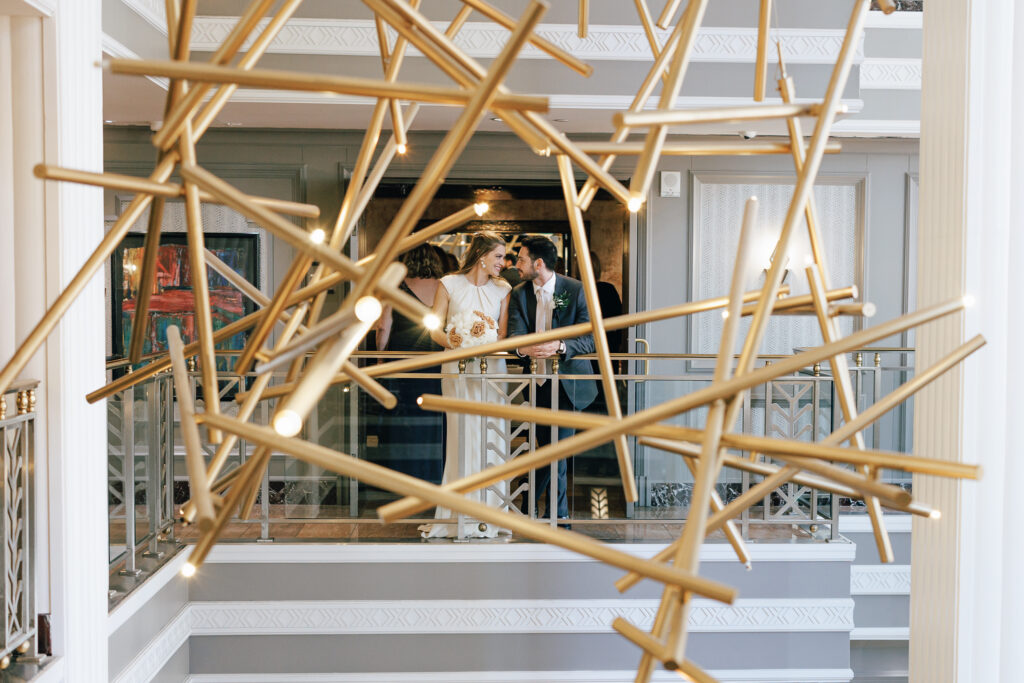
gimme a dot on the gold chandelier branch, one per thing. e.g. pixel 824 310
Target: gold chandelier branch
pixel 382 477
pixel 117 181
pixel 698 148
pixel 289 80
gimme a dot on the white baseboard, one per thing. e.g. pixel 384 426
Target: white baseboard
pixel 723 675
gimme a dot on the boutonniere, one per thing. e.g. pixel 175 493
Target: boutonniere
pixel 560 301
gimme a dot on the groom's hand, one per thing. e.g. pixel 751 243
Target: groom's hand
pixel 545 350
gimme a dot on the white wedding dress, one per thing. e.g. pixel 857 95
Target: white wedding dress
pixel 473 441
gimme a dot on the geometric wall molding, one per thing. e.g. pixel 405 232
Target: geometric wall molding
pixel 364 617
pixel 724 675
pixel 890 74
pixel 877 579
pixel 148 663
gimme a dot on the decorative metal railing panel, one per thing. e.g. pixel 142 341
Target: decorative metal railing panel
pixel 17 438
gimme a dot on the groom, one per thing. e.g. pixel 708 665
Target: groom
pixel 545 301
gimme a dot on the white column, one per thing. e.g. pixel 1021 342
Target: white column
pixel 75 352
pixel 7 301
pixel 962 569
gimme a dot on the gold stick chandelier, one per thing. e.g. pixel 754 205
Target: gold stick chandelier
pixel 198 92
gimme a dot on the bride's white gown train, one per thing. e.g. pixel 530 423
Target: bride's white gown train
pixel 484 437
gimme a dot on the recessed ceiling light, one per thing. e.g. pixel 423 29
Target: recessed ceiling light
pixel 495 118
pixel 560 120
pixel 232 123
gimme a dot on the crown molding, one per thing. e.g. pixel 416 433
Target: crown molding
pixel 342 553
pixel 148 663
pixel 484 40
pixel 890 74
pixel 878 579
pixel 481 616
pixel 114 48
pixel 383 617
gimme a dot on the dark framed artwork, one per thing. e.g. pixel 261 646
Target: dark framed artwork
pixel 172 301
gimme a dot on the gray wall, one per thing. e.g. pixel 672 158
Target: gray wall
pixel 145 625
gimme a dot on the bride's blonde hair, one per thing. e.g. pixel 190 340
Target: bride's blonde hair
pixel 483 243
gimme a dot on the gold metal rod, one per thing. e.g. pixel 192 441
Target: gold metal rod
pixel 369 186
pixel 375 475
pixel 439 49
pixel 584 18
pixel 639 637
pixel 655 74
pixel 699 148
pixel 864 309
pixel 668 12
pixel 93 263
pixel 291 280
pixel 200 286
pixel 887 6
pixel 499 17
pixel 200 492
pixel 761 68
pixel 332 325
pixel 617 323
pixel 589 439
pixel 648 159
pixel 174 122
pixel 250 474
pixel 382 42
pixel 648 23
pixel 448 150
pixel 822 482
pixel 237 281
pixel 679 117
pixel 803 301
pixel 370 385
pixel 146 281
pixel 732 534
pixel 446 224
pixel 245 411
pixel 906 390
pixel 604 361
pixel 848 404
pixel 301 81
pixel 254 484
pixel 117 181
pixel 293 409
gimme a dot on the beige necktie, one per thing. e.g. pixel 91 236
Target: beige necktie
pixel 543 316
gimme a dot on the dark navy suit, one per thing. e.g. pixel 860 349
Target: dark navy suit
pixel 574 394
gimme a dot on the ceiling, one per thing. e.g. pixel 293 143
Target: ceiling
pixel 338 37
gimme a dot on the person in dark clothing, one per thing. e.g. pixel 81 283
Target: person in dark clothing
pixel 611 306
pixel 411 439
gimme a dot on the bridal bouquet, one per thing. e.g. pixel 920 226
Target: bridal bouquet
pixel 471 328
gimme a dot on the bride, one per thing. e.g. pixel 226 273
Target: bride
pixel 477 291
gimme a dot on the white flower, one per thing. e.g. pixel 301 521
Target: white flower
pixel 471 328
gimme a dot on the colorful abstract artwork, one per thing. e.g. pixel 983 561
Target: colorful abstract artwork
pixel 172 300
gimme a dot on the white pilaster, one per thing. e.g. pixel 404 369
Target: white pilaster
pixel 7 301
pixel 968 136
pixel 75 351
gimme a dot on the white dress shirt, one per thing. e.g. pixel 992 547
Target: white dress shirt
pixel 545 295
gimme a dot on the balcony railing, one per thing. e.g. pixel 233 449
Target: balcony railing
pixel 148 481
pixel 17 439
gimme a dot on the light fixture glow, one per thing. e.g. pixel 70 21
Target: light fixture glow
pixel 188 570
pixel 968 300
pixel 287 423
pixel 317 236
pixel 481 208
pixel 401 148
pixel 368 308
pixel 725 315
pixel 431 321
pixel 634 204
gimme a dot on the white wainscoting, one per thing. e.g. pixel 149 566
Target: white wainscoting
pixel 724 675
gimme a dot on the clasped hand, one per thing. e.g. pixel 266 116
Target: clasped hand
pixel 545 350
